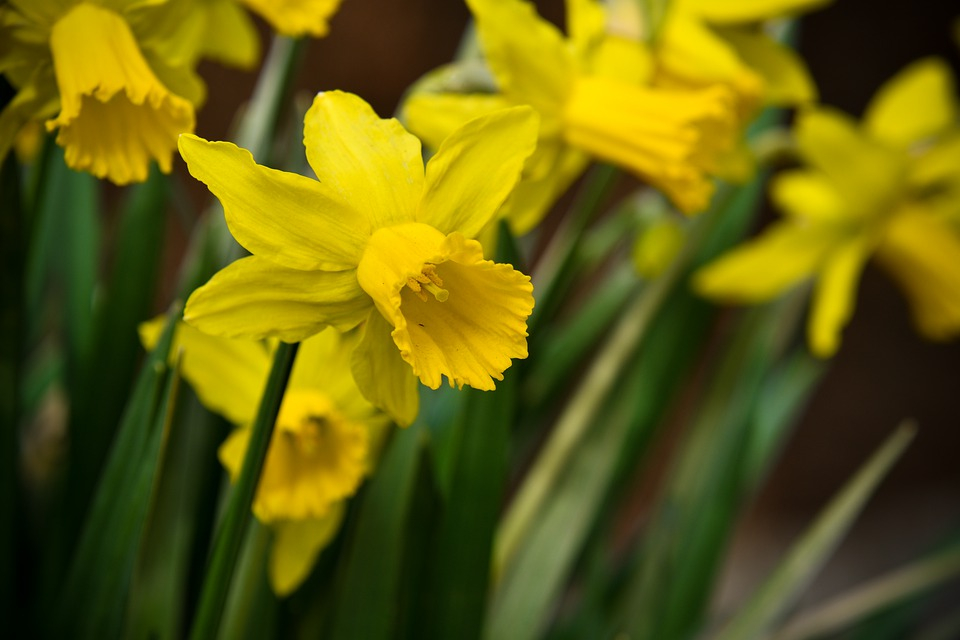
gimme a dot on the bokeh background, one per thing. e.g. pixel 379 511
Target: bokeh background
pixel 884 371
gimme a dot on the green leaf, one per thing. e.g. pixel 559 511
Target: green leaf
pixel 233 528
pixel 781 590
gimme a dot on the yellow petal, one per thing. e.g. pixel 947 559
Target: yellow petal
pixel 586 23
pixel 454 314
pixel 916 104
pixel 807 195
pixel 923 256
pixel 231 37
pixel 868 175
pixel 761 269
pixel 382 375
pixel 296 545
pixel 739 11
pixel 372 163
pixel 670 139
pixel 623 59
pixel 296 18
pixel 289 219
pixel 547 176
pixel 785 77
pixel 434 116
pixel 227 375
pixel 115 115
pixel 475 169
pixel 835 294
pixel 254 298
pixel 527 54
pixel 30 102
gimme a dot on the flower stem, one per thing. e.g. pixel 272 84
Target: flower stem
pixel 234 526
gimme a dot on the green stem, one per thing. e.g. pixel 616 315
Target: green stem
pixel 234 526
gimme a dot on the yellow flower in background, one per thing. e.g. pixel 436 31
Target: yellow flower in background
pixel 889 187
pixel 705 42
pixel 296 18
pixel 378 239
pixel 107 74
pixel 326 439
pixel 593 95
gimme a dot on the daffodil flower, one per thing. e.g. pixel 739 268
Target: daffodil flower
pixel 593 95
pixel 326 439
pixel 705 42
pixel 890 188
pixel 377 240
pixel 296 18
pixel 108 75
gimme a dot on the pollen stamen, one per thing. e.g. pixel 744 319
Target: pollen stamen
pixel 428 280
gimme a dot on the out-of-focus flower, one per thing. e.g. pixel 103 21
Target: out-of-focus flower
pixel 377 240
pixel 593 95
pixel 296 17
pixel 326 439
pixel 111 73
pixel 889 187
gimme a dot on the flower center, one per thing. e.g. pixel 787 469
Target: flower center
pixel 428 281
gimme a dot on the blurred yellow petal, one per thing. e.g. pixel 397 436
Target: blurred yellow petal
pixel 30 102
pixel 115 115
pixel 741 11
pixel 865 173
pixel 382 375
pixel 296 18
pixel 670 139
pixel 922 254
pixel 657 246
pixel 916 104
pixel 372 163
pixel 231 37
pixel 835 294
pixel 785 77
pixel 296 545
pixel 527 54
pixel 548 174
pixel 763 268
pixel 623 59
pixel 807 195
pixel 494 146
pixel 255 298
pixel 292 220
pixel 434 116
pixel 586 23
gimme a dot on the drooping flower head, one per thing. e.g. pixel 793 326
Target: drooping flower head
pixel 110 76
pixel 376 240
pixel 593 94
pixel 889 187
pixel 325 441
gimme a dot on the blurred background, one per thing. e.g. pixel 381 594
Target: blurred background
pixel 884 372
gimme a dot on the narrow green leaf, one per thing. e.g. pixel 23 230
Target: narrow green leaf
pixel 233 528
pixel 368 584
pixel 781 590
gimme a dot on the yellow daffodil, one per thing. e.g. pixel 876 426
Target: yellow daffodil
pixel 378 239
pixel 326 438
pixel 296 18
pixel 109 75
pixel 705 42
pixel 593 95
pixel 889 188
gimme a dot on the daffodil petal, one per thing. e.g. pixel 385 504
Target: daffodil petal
pixel 382 375
pixel 835 294
pixel 763 268
pixel 917 103
pixel 255 298
pixel 227 375
pixel 287 218
pixel 867 174
pixel 296 18
pixel 785 76
pixel 744 11
pixel 586 23
pixel 372 163
pixel 527 54
pixel 552 173
pixel 434 116
pixel 231 37
pixel 296 545
pixel 807 195
pixel 29 103
pixel 922 253
pixel 495 147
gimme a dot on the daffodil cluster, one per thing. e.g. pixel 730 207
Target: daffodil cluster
pixel 889 187
pixel 377 240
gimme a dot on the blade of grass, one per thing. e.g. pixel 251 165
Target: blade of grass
pixel 234 525
pixel 781 590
